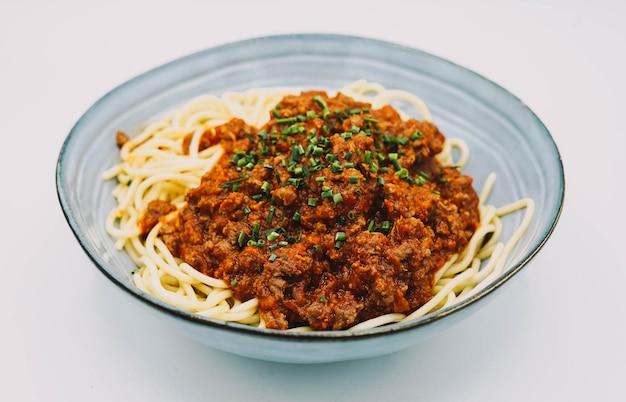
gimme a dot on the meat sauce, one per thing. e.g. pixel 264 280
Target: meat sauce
pixel 331 214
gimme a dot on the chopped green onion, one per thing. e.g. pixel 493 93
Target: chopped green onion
pixel 402 173
pixel 340 236
pixel 270 214
pixel 317 150
pixel 230 183
pixel 353 179
pixel 265 187
pixel 286 120
pixel 337 198
pixel 272 257
pixel 294 181
pixel 312 202
pixel 241 238
pixel 393 158
pixel 336 167
pixel 255 231
pixel 417 135
pixel 327 194
pixel 368 156
pixel 322 103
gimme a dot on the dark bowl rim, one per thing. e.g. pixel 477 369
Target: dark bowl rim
pixel 62 195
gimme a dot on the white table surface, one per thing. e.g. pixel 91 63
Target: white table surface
pixel 557 333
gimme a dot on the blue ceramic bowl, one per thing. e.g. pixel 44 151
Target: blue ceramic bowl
pixel 504 136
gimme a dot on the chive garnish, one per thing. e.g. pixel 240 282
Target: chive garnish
pixel 402 173
pixel 288 120
pixel 417 135
pixel 255 231
pixel 241 238
pixel 272 235
pixel 322 103
pixel 270 214
pixel 265 187
pixel 230 183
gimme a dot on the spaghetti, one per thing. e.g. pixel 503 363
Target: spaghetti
pixel 154 165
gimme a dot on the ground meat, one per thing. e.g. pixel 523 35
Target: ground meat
pixel 121 138
pixel 330 214
pixel 156 210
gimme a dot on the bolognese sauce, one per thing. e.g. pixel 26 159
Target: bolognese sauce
pixel 330 214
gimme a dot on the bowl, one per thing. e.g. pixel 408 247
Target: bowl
pixel 504 136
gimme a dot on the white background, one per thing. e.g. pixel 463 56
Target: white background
pixel 556 333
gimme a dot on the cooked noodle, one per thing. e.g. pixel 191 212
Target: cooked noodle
pixel 153 166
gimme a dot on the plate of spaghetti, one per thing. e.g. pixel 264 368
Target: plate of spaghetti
pixel 310 197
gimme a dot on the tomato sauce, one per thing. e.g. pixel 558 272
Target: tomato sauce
pixel 331 214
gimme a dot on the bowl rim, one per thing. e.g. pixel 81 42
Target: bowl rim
pixel 65 204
